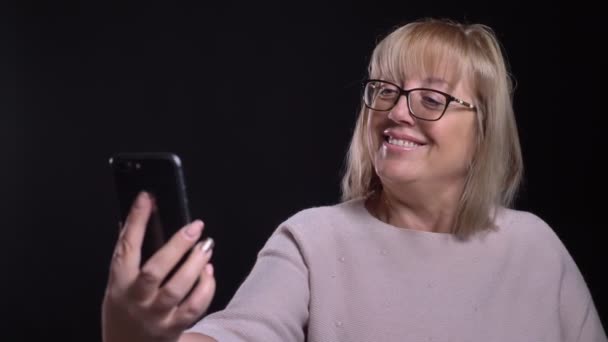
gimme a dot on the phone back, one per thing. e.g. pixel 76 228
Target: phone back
pixel 161 175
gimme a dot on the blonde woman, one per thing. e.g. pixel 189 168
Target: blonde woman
pixel 423 246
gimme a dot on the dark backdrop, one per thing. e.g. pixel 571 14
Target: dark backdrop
pixel 259 101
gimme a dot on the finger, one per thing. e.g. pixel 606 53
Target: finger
pixel 174 291
pixel 198 302
pixel 157 267
pixel 127 253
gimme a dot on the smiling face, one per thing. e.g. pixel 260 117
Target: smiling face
pixel 465 164
pixel 406 149
pixel 403 148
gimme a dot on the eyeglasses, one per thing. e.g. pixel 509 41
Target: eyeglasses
pixel 424 103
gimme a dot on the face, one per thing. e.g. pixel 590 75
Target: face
pixel 409 150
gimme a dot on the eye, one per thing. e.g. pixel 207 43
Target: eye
pixel 432 100
pixel 387 92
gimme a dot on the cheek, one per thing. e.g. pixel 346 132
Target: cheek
pixel 456 138
pixel 468 136
pixel 374 129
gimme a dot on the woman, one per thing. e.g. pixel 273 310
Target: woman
pixel 423 247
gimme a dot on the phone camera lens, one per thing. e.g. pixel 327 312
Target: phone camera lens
pixel 124 166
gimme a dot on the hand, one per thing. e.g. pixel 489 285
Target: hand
pixel 135 306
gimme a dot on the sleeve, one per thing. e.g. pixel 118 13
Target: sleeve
pixel 591 329
pixel 580 321
pixel 271 305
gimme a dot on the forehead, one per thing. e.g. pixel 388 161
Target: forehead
pixel 430 61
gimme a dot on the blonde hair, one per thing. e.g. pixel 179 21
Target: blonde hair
pixel 457 51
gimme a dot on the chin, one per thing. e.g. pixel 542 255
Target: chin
pixel 395 171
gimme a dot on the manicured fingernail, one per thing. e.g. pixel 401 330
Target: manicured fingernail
pixel 207 245
pixel 194 230
pixel 209 269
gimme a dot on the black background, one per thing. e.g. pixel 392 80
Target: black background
pixel 259 100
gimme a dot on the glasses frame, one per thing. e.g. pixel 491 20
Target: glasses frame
pixel 406 92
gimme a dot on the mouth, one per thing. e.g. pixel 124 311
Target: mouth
pixel 401 142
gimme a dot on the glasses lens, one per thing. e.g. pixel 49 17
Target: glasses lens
pixel 380 95
pixel 427 104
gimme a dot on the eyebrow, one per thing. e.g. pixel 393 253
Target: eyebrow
pixel 435 80
pixel 430 82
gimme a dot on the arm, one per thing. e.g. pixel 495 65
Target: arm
pixel 195 337
pixel 591 329
pixel 579 318
pixel 272 303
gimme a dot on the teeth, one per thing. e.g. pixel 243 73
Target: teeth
pixel 404 143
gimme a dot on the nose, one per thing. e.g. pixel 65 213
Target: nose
pixel 401 112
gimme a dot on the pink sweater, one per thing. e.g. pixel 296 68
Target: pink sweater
pixel 336 273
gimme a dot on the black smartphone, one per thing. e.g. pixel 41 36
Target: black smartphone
pixel 160 175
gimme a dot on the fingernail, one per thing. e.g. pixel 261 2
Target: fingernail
pixel 194 230
pixel 141 197
pixel 207 245
pixel 209 269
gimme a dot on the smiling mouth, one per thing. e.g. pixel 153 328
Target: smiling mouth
pixel 401 142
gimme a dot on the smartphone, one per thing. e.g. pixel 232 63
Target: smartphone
pixel 161 176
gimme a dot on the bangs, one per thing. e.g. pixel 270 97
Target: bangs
pixel 421 53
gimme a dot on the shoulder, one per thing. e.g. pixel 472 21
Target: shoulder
pixel 326 216
pixel 533 236
pixel 320 226
pixel 527 227
pixel 523 219
pixel 540 249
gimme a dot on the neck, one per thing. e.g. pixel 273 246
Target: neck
pixel 431 209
